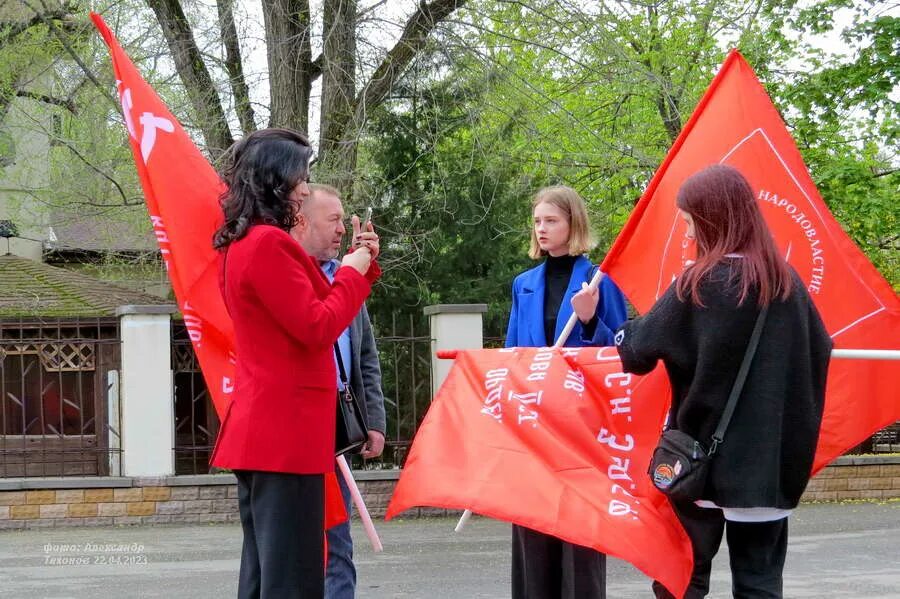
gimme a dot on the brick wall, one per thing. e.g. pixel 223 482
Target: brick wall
pixel 377 487
pixel 856 477
pixel 108 501
pixel 111 500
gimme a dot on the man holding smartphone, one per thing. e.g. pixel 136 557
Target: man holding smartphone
pixel 320 230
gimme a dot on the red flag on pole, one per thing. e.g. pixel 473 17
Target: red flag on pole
pixel 557 440
pixel 736 123
pixel 182 192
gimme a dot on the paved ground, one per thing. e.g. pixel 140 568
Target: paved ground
pixel 848 551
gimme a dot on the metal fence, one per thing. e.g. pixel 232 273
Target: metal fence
pixel 404 346
pixel 196 421
pixel 887 440
pixel 58 385
pixel 59 396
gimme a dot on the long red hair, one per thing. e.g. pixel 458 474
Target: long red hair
pixel 727 220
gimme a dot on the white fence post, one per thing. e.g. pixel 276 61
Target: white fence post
pixel 145 389
pixel 452 326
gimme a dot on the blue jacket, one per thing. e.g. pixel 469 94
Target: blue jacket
pixel 526 319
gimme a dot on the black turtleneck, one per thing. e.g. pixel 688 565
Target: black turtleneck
pixel 557 274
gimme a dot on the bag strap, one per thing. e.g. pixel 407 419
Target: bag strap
pixel 340 362
pixel 719 435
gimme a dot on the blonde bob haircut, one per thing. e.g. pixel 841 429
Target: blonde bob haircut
pixel 572 206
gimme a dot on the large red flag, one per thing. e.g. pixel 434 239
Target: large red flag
pixel 181 189
pixel 182 192
pixel 555 440
pixel 736 123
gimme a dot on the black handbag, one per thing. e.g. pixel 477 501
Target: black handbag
pixel 351 431
pixel 680 464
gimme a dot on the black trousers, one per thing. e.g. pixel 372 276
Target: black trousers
pixel 283 517
pixel 544 567
pixel 756 552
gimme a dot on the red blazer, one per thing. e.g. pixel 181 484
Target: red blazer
pixel 286 318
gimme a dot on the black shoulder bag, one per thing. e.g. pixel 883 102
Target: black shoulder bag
pixel 680 463
pixel 351 431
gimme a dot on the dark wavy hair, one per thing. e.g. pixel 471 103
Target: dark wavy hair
pixel 260 171
pixel 727 220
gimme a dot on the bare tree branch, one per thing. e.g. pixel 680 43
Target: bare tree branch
pixel 704 22
pixel 234 66
pixel 207 106
pixel 71 51
pixel 885 173
pixel 12 29
pixel 413 39
pixel 66 103
pixel 362 14
pixel 343 110
pixel 99 171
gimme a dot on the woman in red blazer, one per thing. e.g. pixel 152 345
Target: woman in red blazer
pixel 278 433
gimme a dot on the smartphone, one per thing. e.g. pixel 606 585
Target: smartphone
pixel 367 219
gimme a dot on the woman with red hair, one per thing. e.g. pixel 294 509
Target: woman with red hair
pixel 700 329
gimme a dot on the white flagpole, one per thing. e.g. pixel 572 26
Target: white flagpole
pixel 360 505
pixel 866 354
pixel 560 341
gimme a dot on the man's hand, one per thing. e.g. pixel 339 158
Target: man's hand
pixel 374 446
pixel 367 238
pixel 584 303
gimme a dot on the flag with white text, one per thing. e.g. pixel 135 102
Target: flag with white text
pixel 557 440
pixel 736 123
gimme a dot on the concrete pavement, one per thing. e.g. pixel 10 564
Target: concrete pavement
pixel 836 550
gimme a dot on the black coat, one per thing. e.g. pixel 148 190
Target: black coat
pixel 767 455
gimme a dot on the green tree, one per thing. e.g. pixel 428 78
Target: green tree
pixel 519 95
pixel 846 121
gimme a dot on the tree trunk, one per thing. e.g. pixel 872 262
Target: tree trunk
pixel 234 66
pixel 198 83
pixel 290 62
pixel 292 71
pixel 344 114
pixel 337 144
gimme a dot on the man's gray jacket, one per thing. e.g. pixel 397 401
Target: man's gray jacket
pixel 365 371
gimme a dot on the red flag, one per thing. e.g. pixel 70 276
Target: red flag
pixel 182 192
pixel 736 123
pixel 555 440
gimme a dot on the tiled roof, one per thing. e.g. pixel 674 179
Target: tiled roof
pixel 84 230
pixel 30 288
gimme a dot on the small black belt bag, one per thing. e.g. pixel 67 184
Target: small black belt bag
pixel 680 463
pixel 351 431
